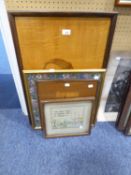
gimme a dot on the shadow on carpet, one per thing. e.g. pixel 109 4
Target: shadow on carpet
pixel 24 151
pixel 8 94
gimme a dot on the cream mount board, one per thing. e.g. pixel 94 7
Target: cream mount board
pixel 122 37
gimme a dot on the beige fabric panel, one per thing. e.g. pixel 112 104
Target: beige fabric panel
pixel 122 38
pixel 66 5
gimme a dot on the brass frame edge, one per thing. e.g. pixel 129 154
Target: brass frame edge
pixel 63 71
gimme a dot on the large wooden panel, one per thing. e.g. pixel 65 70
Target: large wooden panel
pixel 42 43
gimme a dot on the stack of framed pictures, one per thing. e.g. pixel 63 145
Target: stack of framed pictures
pixel 62 57
pixel 68 109
pixel 64 104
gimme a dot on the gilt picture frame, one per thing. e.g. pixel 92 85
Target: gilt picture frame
pixel 67 117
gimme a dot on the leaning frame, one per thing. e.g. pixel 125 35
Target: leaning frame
pixel 12 15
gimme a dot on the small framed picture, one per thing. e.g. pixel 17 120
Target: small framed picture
pixel 70 117
pixel 124 3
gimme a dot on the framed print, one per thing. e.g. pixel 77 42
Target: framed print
pixel 70 117
pixel 120 84
pixel 123 3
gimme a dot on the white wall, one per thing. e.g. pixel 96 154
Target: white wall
pixel 9 47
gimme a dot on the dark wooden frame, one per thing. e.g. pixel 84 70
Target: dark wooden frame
pixel 128 126
pixel 122 117
pixel 92 99
pixel 12 15
pixel 118 3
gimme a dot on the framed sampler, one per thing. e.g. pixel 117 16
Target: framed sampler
pixel 124 3
pixel 52 47
pixel 67 117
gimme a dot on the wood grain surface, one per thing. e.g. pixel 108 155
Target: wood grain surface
pixel 41 40
pixel 66 89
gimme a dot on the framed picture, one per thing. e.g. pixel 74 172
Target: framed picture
pixel 120 84
pixel 125 110
pixel 71 117
pixel 123 3
pixel 128 126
